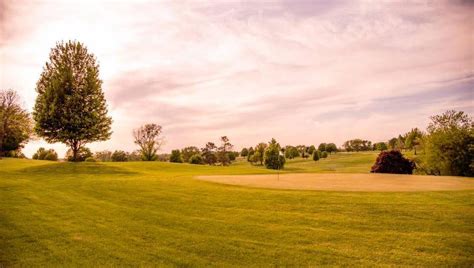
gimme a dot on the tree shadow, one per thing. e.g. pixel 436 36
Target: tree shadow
pixel 76 169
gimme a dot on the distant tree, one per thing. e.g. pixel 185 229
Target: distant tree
pixel 331 148
pixel 291 152
pixel 70 106
pixel 233 155
pixel 223 151
pixel 272 157
pixel 392 162
pixel 15 123
pixel 187 152
pixel 119 156
pixel 259 152
pixel 392 143
pixel 380 146
pixel 413 139
pixel 324 154
pixel 322 147
pixel 103 156
pixel 196 159
pixel 137 156
pixel 176 156
pixel 449 145
pixel 310 150
pixel 316 155
pixel 43 154
pixel 81 155
pixel 148 138
pixel 209 153
pixel 357 145
pixel 302 150
pixel 244 152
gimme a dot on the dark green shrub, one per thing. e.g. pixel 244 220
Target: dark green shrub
pixel 175 157
pixel 119 156
pixel 324 154
pixel 196 159
pixel 316 155
pixel 90 159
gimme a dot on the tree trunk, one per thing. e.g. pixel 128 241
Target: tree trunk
pixel 75 150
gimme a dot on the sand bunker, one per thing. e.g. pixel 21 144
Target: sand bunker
pixel 347 182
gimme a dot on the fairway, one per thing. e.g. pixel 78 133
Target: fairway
pixel 347 182
pixel 158 214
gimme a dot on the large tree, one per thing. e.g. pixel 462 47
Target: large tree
pixel 449 145
pixel 70 107
pixel 15 122
pixel 189 151
pixel 148 138
pixel 209 153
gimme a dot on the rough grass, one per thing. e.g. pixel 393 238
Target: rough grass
pixel 88 214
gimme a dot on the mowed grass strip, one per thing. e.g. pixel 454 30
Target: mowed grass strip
pixel 156 214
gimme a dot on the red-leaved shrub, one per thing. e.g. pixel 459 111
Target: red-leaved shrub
pixel 392 162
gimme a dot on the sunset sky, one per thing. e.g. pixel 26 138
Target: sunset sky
pixel 303 72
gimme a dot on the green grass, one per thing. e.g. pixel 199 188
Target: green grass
pixel 142 213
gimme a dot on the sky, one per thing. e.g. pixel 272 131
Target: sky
pixel 303 72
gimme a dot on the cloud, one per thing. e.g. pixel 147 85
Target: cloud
pixel 299 71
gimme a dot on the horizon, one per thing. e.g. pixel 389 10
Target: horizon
pixel 299 73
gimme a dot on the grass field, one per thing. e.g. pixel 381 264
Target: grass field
pixel 153 213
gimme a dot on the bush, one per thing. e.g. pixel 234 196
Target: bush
pixel 51 156
pixel 233 155
pixel 392 162
pixel 43 154
pixel 316 155
pixel 324 154
pixel 175 157
pixel 119 156
pixel 90 159
pixel 196 159
pixel 244 152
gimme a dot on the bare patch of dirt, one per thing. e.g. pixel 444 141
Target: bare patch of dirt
pixel 347 182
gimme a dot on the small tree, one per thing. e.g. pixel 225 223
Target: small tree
pixel 196 159
pixel 392 162
pixel 209 153
pixel 310 150
pixel 223 151
pixel 119 156
pixel 316 155
pixel 259 153
pixel 175 157
pixel 189 151
pixel 302 150
pixel 324 154
pixel 148 138
pixel 15 123
pixel 70 106
pixel 272 157
pixel 331 148
pixel 244 152
pixel 322 147
pixel 381 146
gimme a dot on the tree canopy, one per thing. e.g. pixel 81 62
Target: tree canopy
pixel 148 138
pixel 70 106
pixel 15 122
